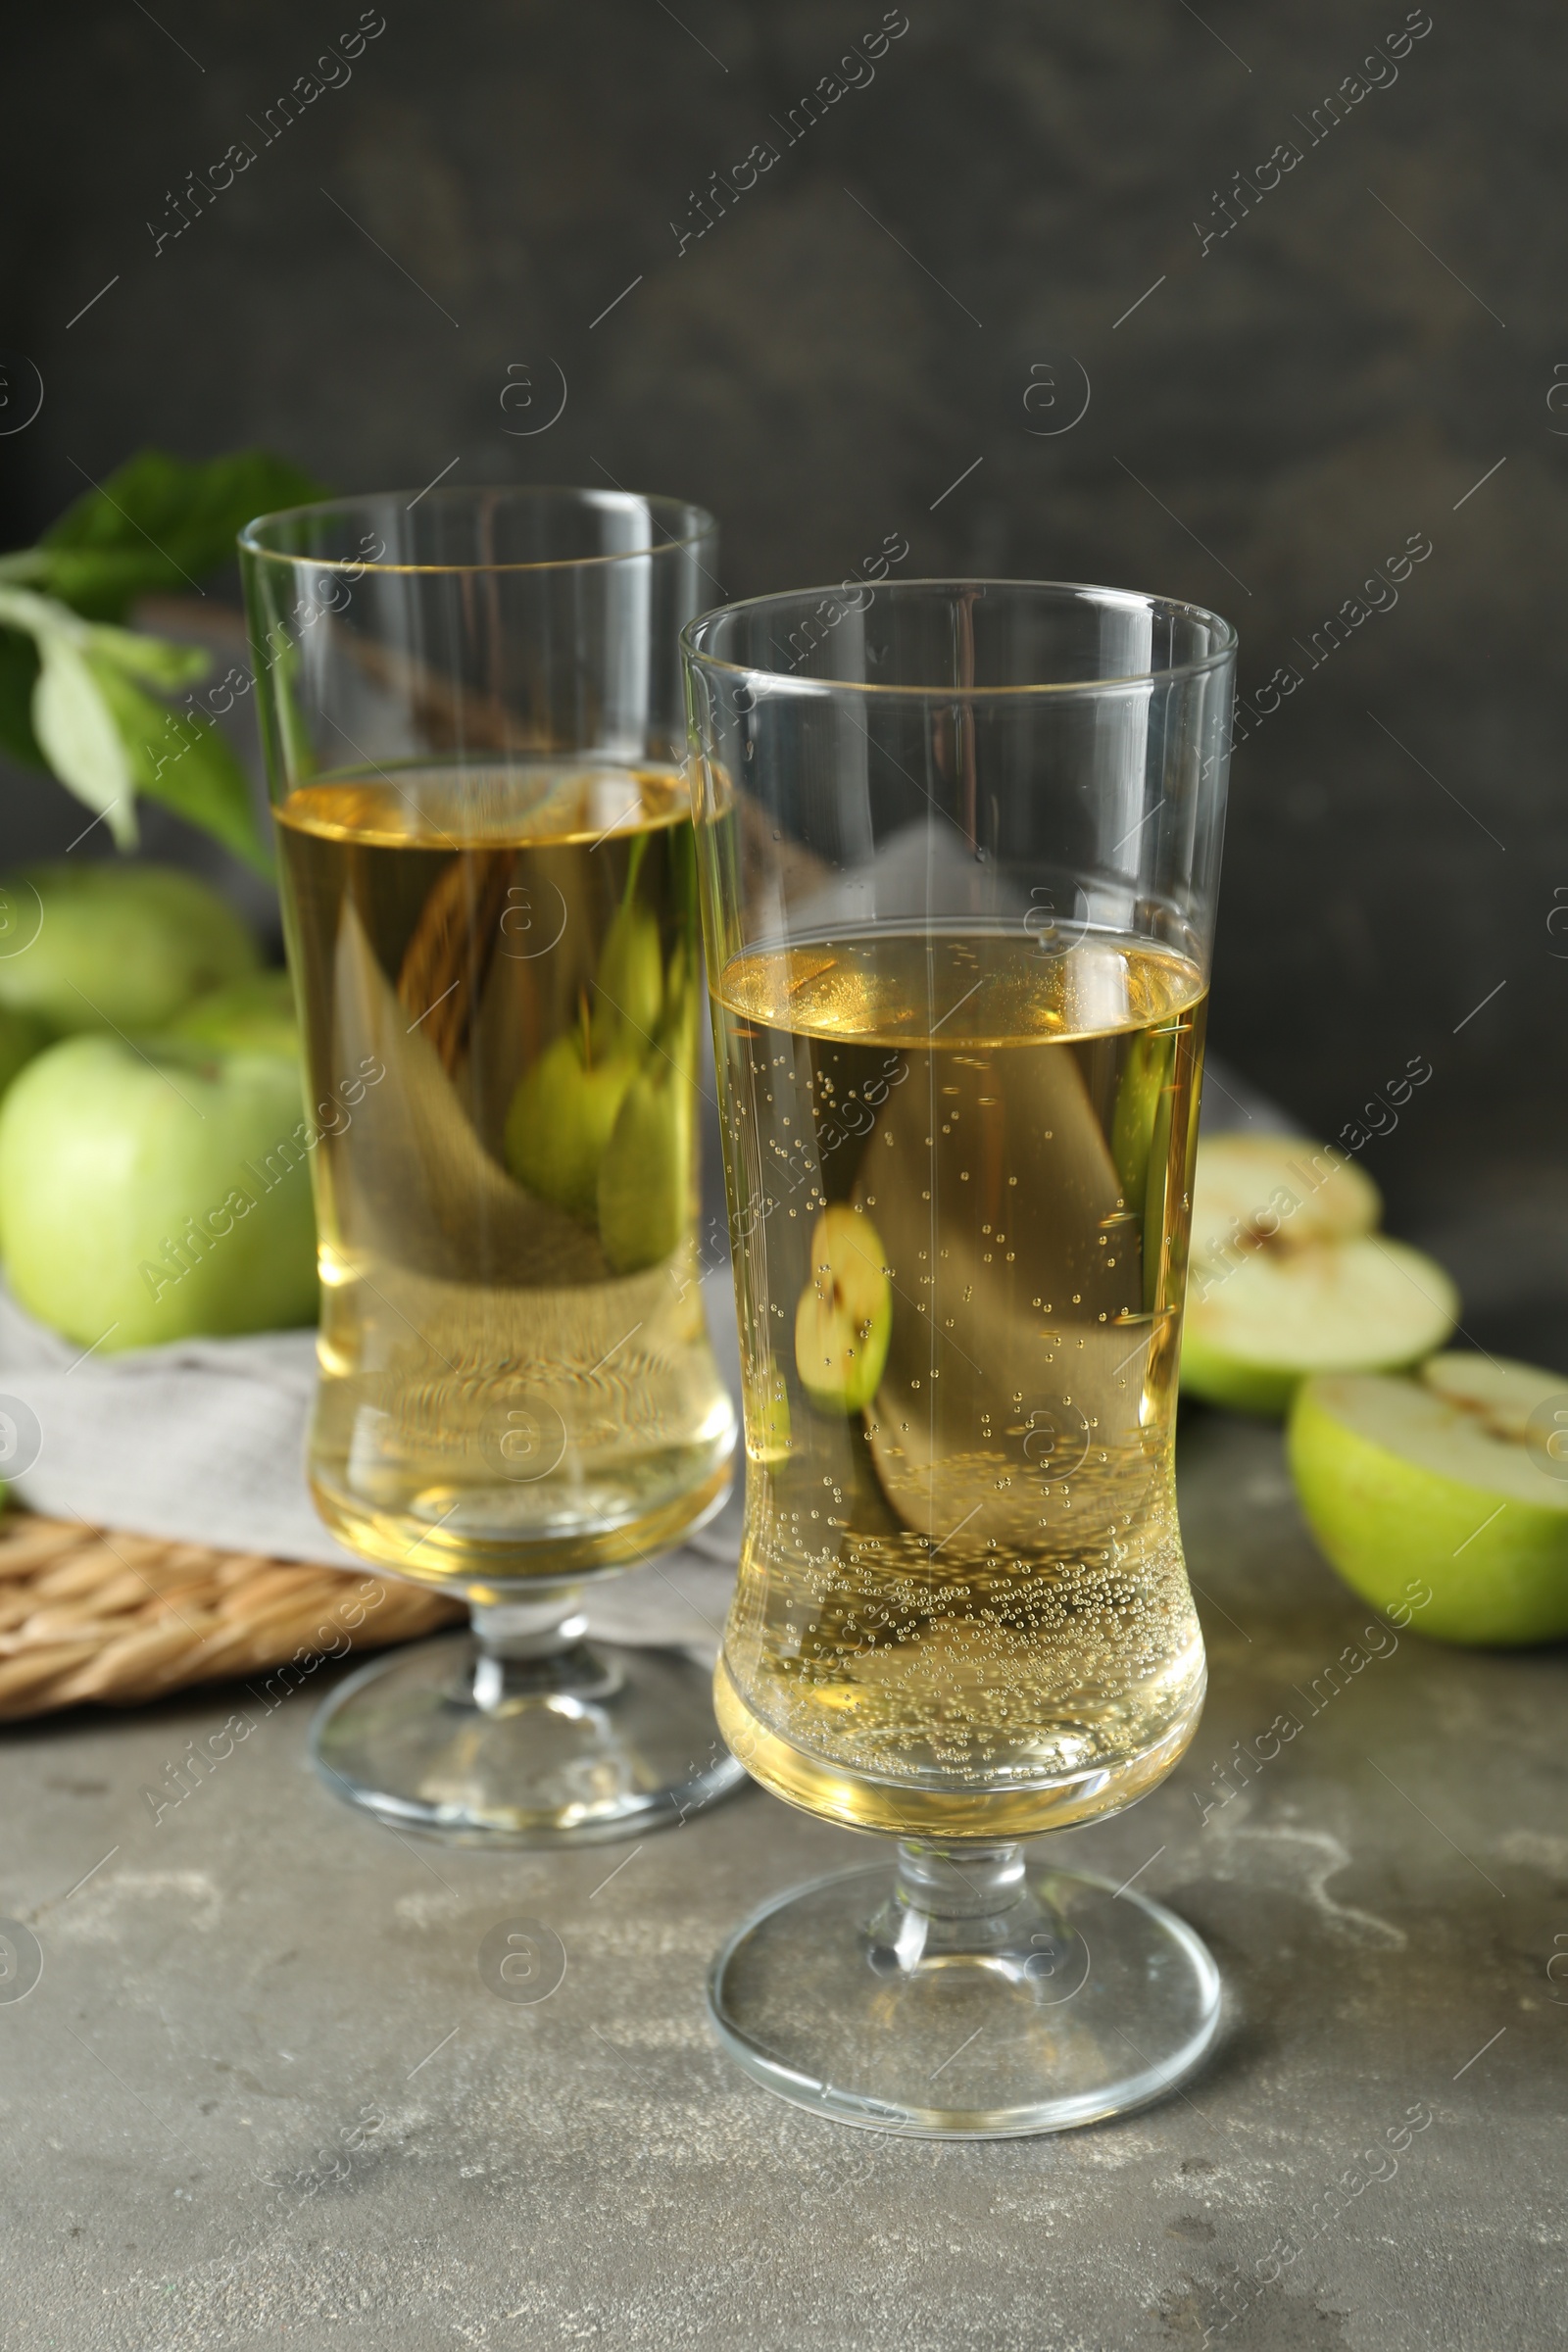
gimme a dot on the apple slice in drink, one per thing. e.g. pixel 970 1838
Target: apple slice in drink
pixel 844 1320
pixel 1035 1369
pixel 1453 1483
pixel 1258 1325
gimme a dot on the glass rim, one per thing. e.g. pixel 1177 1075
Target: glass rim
pixel 700 525
pixel 1060 591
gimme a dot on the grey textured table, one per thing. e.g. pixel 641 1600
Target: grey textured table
pixel 263 2089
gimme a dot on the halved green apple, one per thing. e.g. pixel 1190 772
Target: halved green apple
pixel 1290 1277
pixel 1509 1401
pixel 845 1317
pixel 1252 1187
pixel 1255 1328
pixel 1439 1497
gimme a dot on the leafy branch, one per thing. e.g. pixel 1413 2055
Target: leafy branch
pixel 73 685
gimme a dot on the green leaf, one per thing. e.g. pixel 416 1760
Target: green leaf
pixel 159 523
pixel 40 616
pixel 77 731
pixel 19 674
pixel 104 587
pixel 156 659
pixel 208 787
pixel 185 762
pixel 70 697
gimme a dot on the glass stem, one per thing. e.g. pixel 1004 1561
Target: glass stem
pixel 525 1647
pixel 947 1900
pixel 959 1882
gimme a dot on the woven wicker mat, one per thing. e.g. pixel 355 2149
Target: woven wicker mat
pixel 90 1613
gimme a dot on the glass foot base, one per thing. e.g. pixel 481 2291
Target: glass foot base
pixel 594 1741
pixel 965 1995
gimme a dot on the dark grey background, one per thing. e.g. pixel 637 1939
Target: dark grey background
pixel 1274 419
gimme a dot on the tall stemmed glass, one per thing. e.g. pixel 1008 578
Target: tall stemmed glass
pixel 470 708
pixel 959 844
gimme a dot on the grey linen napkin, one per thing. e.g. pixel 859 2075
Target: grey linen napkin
pixel 203 1442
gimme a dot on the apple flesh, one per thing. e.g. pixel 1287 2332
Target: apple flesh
pixel 1509 1401
pixel 152 1193
pixel 1254 1333
pixel 1445 1484
pixel 844 1320
pixel 1250 1188
pixel 1289 1276
pixel 117 946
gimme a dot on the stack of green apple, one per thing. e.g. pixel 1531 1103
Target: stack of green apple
pixel 154 1178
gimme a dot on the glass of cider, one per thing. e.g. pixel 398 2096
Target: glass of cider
pixel 472 712
pixel 959 844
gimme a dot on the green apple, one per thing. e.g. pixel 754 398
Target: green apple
pixel 1252 1187
pixel 629 990
pixel 643 1190
pixel 561 1117
pixel 844 1320
pixel 1442 1498
pixel 153 1192
pixel 1289 1275
pixel 257 1013
pixel 115 946
pixel 21 1036
pixel 1254 1331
